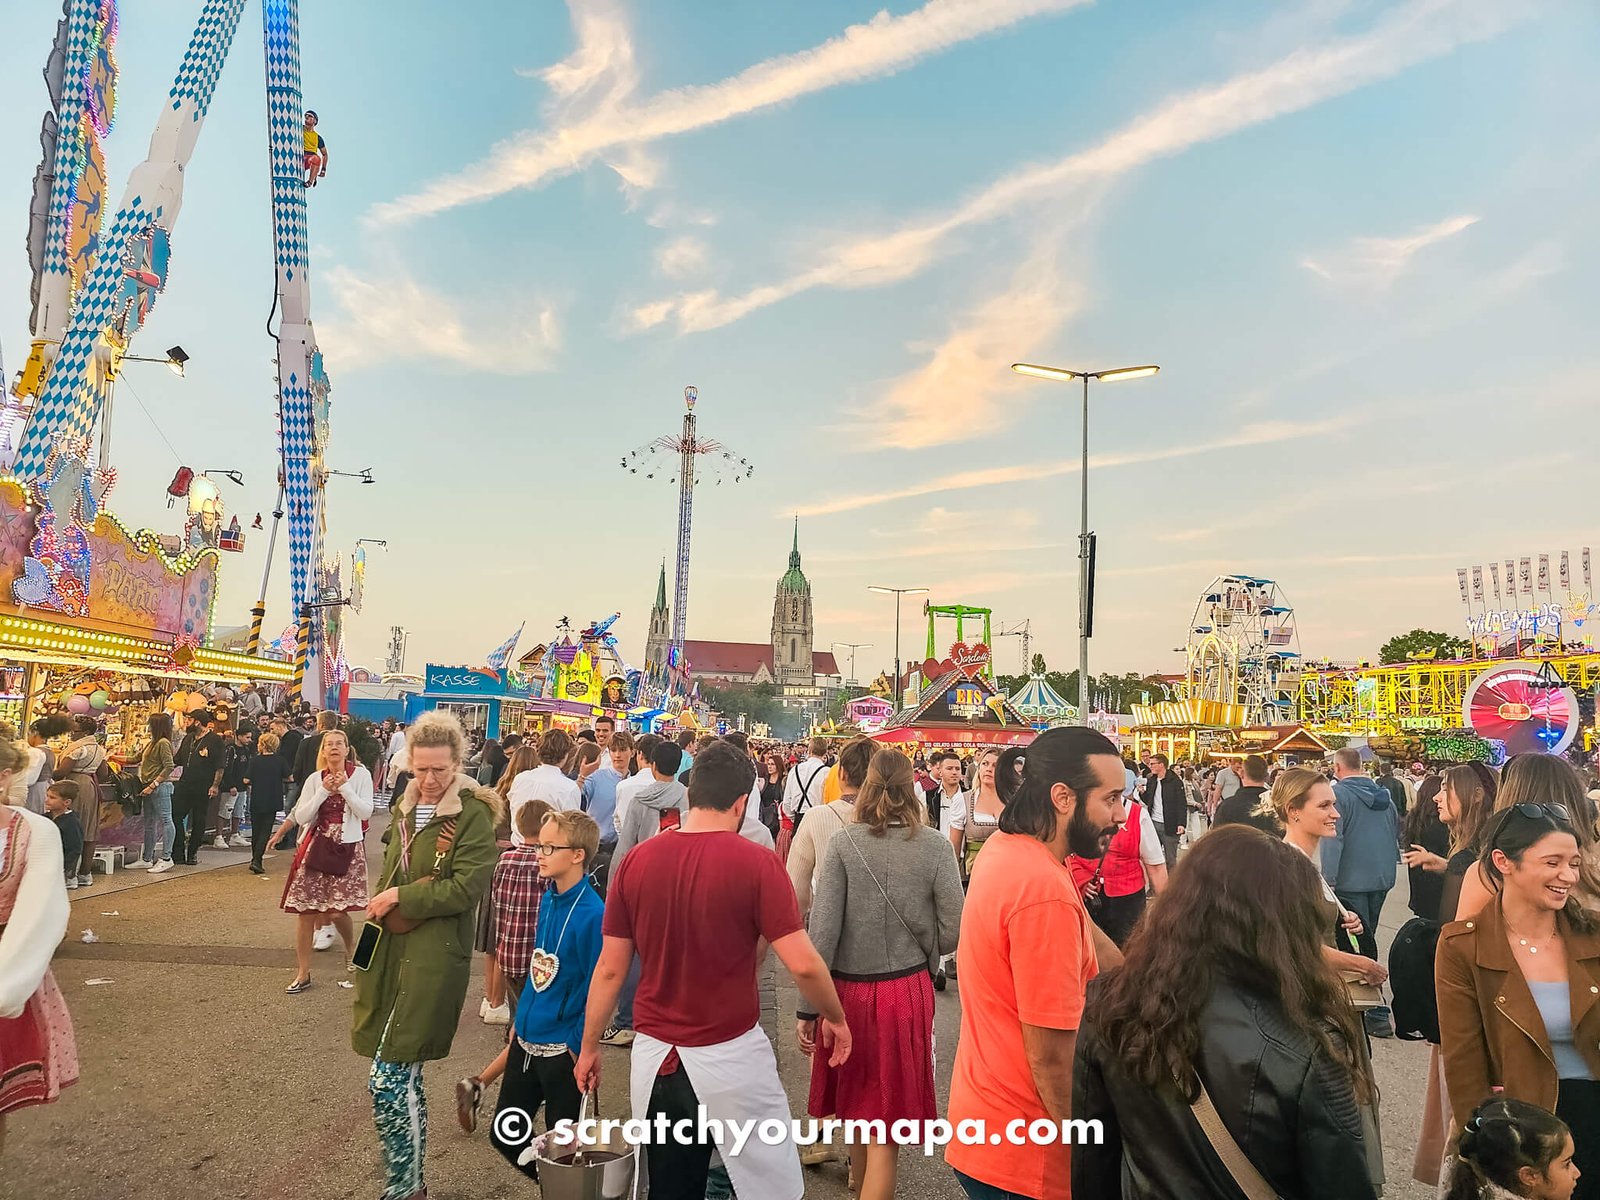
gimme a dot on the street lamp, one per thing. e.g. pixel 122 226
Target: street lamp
pixel 1085 538
pixel 234 477
pixel 174 360
pixel 853 647
pixel 897 593
pixel 372 542
pixel 364 475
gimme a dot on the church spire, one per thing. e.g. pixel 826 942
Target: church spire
pixel 794 580
pixel 661 587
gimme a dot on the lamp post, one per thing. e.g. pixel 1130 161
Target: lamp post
pixel 174 362
pixel 897 593
pixel 1085 538
pixel 853 647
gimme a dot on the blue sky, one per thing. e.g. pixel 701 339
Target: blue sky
pixel 1357 237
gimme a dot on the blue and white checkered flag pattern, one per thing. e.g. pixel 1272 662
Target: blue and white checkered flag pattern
pixel 501 655
pixel 68 402
pixel 81 22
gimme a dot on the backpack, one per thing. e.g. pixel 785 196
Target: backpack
pixel 1416 1003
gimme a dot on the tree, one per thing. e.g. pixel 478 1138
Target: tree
pixel 1038 664
pixel 1421 643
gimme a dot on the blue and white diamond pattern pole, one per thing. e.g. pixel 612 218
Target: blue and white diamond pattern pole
pixel 74 390
pixel 302 385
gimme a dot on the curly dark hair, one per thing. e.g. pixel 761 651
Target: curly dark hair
pixel 1242 907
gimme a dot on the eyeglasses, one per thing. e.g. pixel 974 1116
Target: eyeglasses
pixel 545 850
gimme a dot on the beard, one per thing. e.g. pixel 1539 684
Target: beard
pixel 1085 838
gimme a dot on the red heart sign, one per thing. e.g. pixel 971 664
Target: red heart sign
pixel 971 659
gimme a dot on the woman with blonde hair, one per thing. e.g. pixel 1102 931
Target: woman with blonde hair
pixel 38 1054
pixel 1305 804
pixel 328 878
pixel 887 908
pixel 975 821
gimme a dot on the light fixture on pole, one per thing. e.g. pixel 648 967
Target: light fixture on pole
pixel 897 593
pixel 174 361
pixel 372 542
pixel 853 647
pixel 234 477
pixel 1085 538
pixel 364 475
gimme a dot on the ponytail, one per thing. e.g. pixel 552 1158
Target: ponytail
pixel 1025 775
pixel 1502 1137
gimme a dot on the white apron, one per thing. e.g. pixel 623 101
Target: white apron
pixel 734 1081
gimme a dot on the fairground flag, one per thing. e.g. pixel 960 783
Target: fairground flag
pixel 501 655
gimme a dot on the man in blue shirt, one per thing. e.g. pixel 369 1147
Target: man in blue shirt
pixel 600 790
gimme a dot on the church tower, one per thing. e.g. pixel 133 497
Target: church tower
pixel 792 626
pixel 660 637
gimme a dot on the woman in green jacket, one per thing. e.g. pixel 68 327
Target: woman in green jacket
pixel 439 857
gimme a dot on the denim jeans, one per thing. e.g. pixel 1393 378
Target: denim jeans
pixel 977 1190
pixel 630 987
pixel 158 823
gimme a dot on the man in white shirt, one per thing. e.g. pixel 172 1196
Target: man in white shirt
pixel 946 797
pixel 545 782
pixel 1224 784
pixel 804 788
pixel 397 742
pixel 643 748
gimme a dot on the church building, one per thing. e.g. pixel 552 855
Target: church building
pixel 788 659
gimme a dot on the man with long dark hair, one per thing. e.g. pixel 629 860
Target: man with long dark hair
pixel 1026 954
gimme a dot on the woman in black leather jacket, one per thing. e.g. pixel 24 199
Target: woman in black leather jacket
pixel 1225 982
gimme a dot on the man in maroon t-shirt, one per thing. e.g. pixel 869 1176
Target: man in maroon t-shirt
pixel 698 902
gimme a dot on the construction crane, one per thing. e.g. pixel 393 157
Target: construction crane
pixel 1022 630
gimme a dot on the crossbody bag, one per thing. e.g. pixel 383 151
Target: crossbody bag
pixel 1243 1172
pixel 931 959
pixel 393 922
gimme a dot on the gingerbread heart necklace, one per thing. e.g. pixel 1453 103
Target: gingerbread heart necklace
pixel 544 964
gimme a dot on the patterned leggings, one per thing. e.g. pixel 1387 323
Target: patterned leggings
pixel 400 1111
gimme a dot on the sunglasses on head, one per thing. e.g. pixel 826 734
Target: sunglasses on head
pixel 1534 812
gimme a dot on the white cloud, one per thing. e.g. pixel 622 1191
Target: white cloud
pixel 682 256
pixel 1260 434
pixel 964 387
pixel 1374 263
pixel 1411 34
pixel 394 318
pixel 604 64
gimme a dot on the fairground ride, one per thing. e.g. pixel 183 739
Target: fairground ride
pixel 1243 649
pixel 88 311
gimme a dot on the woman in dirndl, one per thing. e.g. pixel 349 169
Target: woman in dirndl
pixel 328 880
pixel 38 1056
pixel 887 908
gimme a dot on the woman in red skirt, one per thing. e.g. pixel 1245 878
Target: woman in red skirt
pixel 887 908
pixel 38 1056
pixel 334 806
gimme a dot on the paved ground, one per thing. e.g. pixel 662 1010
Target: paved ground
pixel 202 1079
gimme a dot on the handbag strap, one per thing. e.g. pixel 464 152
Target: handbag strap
pixel 849 834
pixel 1242 1170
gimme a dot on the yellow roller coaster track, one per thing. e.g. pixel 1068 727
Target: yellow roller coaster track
pixel 1407 697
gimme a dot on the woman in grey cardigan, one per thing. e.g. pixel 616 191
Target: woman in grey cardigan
pixel 887 908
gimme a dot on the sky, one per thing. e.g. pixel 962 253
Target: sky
pixel 1356 236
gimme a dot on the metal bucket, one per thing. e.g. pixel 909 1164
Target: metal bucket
pixel 606 1169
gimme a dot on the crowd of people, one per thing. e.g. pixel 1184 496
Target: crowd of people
pixel 1187 957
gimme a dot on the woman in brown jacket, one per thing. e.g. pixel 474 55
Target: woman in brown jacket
pixel 1519 984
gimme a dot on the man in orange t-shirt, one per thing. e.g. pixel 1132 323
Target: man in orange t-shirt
pixel 1026 954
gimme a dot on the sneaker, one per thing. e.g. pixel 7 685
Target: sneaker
pixel 72 883
pixel 85 880
pixel 498 1016
pixel 238 839
pixel 323 938
pixel 469 1096
pixel 219 843
pixel 257 869
pixel 139 864
pixel 816 1155
pixel 298 986
pixel 483 1009
pixel 613 1036
pixel 166 864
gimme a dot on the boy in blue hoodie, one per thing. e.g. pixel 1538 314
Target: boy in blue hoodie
pixel 548 1028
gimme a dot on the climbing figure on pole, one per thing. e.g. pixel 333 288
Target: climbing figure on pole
pixel 316 161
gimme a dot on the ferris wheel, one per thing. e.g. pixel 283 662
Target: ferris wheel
pixel 1244 649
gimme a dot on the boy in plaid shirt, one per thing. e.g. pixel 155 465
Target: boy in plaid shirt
pixel 517 887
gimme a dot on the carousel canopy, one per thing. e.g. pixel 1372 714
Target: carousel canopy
pixel 1038 701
